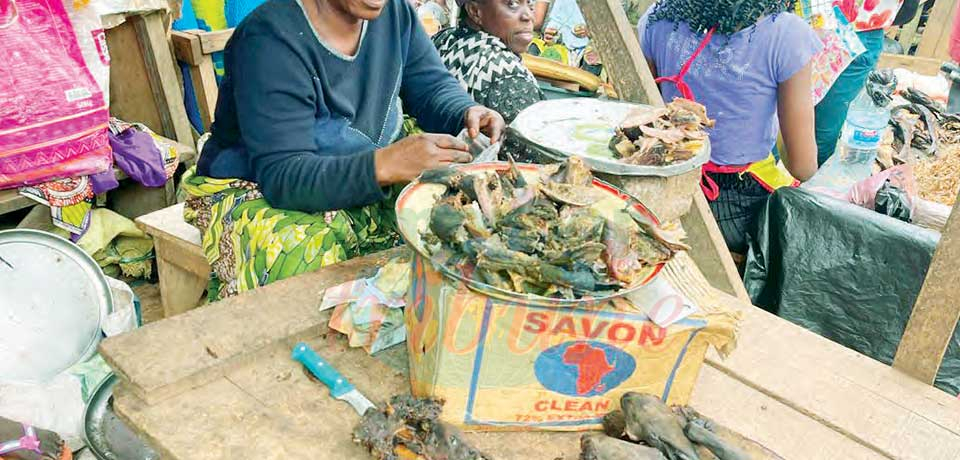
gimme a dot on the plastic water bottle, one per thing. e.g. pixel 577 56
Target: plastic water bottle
pixel 864 129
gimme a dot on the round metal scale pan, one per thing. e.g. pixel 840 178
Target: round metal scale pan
pixel 583 127
pixel 413 214
pixel 51 295
pixel 107 437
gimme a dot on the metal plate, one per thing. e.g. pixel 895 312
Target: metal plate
pixel 413 213
pixel 106 435
pixel 53 296
pixel 583 127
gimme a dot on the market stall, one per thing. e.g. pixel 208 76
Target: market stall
pixel 527 343
pixel 219 381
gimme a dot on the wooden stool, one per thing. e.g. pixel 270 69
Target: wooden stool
pixel 181 264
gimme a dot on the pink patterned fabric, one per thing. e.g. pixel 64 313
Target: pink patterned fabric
pixel 955 35
pixel 53 118
pixel 869 14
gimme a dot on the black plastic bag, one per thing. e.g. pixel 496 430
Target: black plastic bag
pixel 894 202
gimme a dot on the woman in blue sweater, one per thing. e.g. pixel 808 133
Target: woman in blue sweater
pixel 297 172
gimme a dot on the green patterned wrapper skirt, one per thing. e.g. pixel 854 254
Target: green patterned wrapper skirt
pixel 250 244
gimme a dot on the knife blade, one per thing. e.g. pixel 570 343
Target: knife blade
pixel 340 387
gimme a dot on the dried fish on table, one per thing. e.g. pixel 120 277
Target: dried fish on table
pixel 595 446
pixel 679 433
pixel 409 428
pixel 541 237
pixel 649 420
pixel 662 136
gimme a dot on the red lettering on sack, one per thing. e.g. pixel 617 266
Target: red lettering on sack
pixel 565 326
pixel 613 335
pixel 595 332
pixel 651 334
pixel 536 323
pixel 572 405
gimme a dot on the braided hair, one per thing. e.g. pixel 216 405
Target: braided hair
pixel 728 16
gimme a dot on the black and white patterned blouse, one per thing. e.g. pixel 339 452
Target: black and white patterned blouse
pixel 488 70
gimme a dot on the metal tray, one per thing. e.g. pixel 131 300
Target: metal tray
pixel 413 213
pixel 107 437
pixel 583 127
pixel 53 295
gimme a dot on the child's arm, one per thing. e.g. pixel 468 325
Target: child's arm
pixel 795 109
pixel 540 9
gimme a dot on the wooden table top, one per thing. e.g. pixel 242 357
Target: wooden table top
pixel 217 382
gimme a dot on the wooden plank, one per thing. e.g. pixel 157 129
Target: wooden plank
pixel 168 223
pixel 790 433
pixel 936 34
pixel 214 42
pixel 620 52
pixel 131 98
pixel 272 394
pixel 183 277
pixel 220 335
pixel 162 74
pixel 186 47
pixel 832 384
pixel 842 389
pixel 709 249
pixel 921 65
pixel 205 87
pixel 908 32
pixel 11 200
pixel 936 311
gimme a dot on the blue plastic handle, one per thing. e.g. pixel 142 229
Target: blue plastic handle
pixel 322 369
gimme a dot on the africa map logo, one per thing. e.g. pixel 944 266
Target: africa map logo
pixel 583 368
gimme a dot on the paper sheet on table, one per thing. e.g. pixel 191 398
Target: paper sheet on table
pixel 663 304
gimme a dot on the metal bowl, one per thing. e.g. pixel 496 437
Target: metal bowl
pixel 583 127
pixel 107 437
pixel 413 215
pixel 53 295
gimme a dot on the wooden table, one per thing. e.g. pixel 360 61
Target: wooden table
pixel 217 382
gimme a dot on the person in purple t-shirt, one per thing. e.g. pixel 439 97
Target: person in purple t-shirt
pixel 749 64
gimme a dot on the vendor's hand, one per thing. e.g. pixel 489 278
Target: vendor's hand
pixel 405 160
pixel 479 118
pixel 581 31
pixel 549 34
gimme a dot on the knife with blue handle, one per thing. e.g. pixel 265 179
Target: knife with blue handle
pixel 340 388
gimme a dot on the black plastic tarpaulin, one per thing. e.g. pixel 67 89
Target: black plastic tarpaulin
pixel 845 272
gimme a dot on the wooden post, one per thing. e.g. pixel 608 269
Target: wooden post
pixel 162 72
pixel 936 311
pixel 188 46
pixel 935 42
pixel 616 41
pixel 908 32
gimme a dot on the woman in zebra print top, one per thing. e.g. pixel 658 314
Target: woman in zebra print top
pixel 483 52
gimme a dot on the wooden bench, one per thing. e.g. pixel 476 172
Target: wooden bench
pixel 181 264
pixel 196 49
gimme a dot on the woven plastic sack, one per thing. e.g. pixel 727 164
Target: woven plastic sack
pixel 53 118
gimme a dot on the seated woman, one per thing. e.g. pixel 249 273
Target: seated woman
pixel 483 52
pixel 297 172
pixel 753 76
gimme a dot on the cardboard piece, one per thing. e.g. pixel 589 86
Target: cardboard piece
pixel 503 365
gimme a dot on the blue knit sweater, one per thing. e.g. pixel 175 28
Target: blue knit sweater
pixel 303 120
